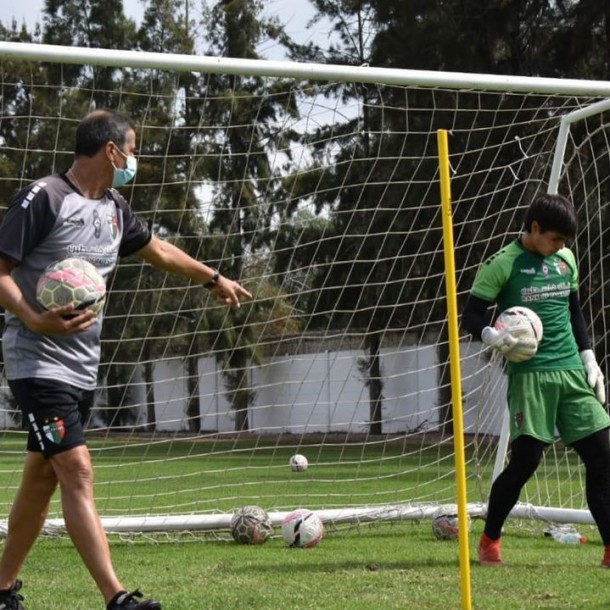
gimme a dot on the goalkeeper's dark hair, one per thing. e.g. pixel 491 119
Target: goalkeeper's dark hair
pixel 100 127
pixel 552 213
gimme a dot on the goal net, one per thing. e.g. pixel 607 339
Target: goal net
pixel 320 193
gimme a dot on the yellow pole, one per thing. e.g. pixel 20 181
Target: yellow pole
pixel 454 361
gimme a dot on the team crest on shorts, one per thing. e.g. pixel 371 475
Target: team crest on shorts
pixel 519 419
pixel 54 430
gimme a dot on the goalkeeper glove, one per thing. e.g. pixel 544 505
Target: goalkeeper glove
pixel 508 342
pixel 595 378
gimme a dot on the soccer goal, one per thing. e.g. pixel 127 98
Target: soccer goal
pixel 317 186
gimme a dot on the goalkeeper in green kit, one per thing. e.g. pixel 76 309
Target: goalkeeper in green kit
pixel 556 384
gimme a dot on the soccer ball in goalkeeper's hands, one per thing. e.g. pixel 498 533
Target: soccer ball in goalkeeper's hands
pixel 516 334
pixel 520 322
pixel 302 529
pixel 251 525
pixel 71 281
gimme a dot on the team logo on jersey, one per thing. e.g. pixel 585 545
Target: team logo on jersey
pixel 54 430
pixel 561 267
pixel 113 222
pixel 545 269
pixel 97 224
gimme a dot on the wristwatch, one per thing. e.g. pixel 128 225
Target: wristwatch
pixel 213 281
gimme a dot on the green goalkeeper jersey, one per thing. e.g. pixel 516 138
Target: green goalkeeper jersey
pixel 516 276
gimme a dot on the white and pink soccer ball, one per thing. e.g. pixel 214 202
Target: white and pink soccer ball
pixel 298 463
pixel 71 281
pixel 446 527
pixel 302 529
pixel 522 318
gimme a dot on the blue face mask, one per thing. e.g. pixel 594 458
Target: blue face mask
pixel 124 175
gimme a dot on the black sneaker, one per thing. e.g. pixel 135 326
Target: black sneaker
pixel 10 598
pixel 126 601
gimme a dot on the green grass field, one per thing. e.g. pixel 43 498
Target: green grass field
pixel 382 567
pixel 385 566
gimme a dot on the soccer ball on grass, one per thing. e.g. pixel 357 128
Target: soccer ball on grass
pixel 251 525
pixel 298 463
pixel 446 527
pixel 302 529
pixel 71 281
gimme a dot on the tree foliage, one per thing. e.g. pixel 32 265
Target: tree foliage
pixel 322 227
pixel 519 37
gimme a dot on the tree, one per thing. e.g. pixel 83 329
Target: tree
pixel 167 321
pixel 238 161
pixel 354 290
pixel 88 23
pixel 518 37
pixel 577 40
pixel 359 189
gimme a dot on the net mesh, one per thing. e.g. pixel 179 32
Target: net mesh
pixel 323 199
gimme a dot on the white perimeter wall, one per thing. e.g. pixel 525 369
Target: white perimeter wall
pixel 326 392
pixel 323 392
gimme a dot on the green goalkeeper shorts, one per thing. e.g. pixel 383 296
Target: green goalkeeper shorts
pixel 540 401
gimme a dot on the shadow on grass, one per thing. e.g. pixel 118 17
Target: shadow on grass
pixel 333 567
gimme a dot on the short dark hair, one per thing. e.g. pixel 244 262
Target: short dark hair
pixel 100 127
pixel 552 213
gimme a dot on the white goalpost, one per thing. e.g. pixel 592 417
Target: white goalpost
pixel 317 186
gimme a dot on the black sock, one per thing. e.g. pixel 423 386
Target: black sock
pixel 526 453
